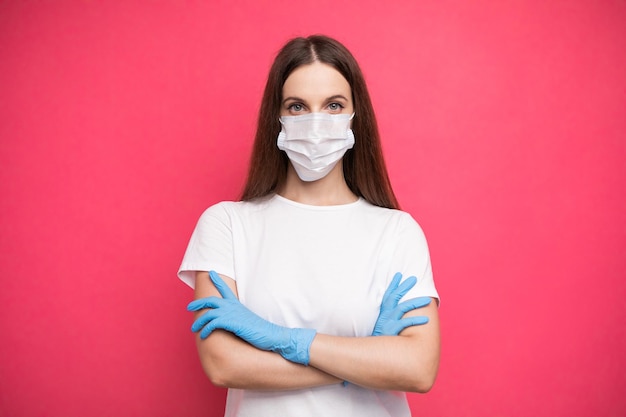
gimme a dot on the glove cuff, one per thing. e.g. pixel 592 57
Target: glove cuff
pixel 298 350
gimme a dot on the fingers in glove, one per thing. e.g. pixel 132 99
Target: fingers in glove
pixel 406 285
pixel 412 304
pixel 393 328
pixel 202 303
pixel 208 329
pixel 204 319
pixel 221 286
pixel 412 321
pixel 392 286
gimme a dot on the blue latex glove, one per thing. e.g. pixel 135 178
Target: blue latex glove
pixel 390 321
pixel 229 314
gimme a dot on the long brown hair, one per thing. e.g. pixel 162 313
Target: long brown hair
pixel 363 166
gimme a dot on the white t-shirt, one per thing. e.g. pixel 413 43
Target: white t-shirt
pixel 320 267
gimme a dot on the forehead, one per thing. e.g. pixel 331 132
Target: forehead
pixel 316 80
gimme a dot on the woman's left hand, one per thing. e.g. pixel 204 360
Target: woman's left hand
pixel 390 321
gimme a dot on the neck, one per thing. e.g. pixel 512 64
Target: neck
pixel 331 190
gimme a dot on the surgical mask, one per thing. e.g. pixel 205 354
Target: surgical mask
pixel 315 142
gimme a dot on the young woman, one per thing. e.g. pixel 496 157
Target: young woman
pixel 298 286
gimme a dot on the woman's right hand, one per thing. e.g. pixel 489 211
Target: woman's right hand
pixel 228 313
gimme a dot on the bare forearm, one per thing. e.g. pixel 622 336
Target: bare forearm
pixel 233 363
pixel 408 362
pixel 382 362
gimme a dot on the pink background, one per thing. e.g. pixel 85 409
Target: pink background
pixel 504 129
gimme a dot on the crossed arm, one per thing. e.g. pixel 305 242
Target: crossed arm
pixel 407 362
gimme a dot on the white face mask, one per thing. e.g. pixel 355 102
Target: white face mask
pixel 315 142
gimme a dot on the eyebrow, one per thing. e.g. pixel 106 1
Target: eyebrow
pixel 335 97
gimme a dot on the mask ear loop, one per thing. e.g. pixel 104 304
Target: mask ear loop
pixel 281 135
pixel 350 132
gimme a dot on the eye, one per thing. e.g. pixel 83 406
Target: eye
pixel 335 107
pixel 295 107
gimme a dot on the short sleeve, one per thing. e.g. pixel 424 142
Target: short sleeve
pixel 210 246
pixel 411 256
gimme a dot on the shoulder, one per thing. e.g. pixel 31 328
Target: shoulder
pixel 227 210
pixel 220 208
pixel 393 217
pixel 399 226
pixel 218 211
